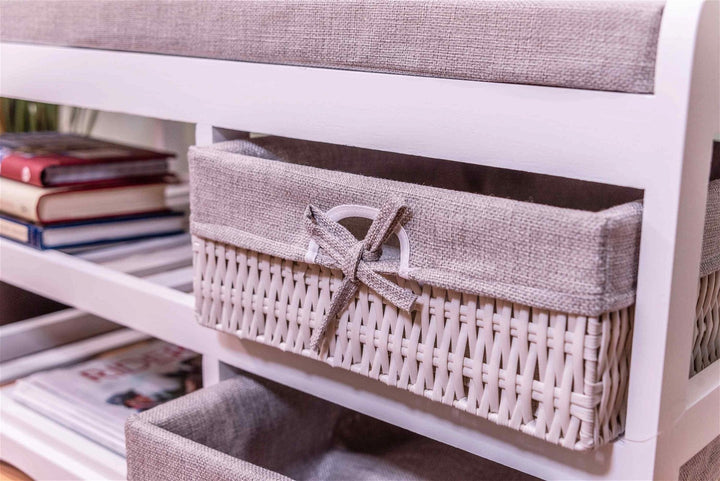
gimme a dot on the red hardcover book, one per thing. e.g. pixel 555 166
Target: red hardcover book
pixel 54 159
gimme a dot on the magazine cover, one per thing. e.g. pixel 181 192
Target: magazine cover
pixel 96 397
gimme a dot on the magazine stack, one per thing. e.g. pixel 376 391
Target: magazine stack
pixel 95 398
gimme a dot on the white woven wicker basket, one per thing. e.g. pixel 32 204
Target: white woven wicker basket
pixel 706 335
pixel 555 376
pixel 548 372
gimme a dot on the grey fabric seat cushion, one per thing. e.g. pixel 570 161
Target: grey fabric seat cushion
pixel 584 44
pixel 245 429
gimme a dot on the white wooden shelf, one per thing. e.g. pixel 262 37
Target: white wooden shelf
pixel 475 121
pixel 46 450
pixel 67 353
pixel 660 143
pixel 28 336
pixel 108 286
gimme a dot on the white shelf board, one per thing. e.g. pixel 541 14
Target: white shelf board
pixel 68 353
pixel 36 334
pixel 700 423
pixel 153 304
pixel 539 129
pixel 46 450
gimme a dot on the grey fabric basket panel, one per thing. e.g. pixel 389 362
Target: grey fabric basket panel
pixel 246 429
pixel 555 258
pixel 584 44
pixel 711 239
pixel 705 465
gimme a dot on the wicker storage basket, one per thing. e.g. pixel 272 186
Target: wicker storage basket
pixel 706 338
pixel 250 430
pixel 518 309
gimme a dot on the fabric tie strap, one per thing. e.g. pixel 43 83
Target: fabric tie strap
pixel 355 259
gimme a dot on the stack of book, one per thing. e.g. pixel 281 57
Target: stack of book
pixel 62 190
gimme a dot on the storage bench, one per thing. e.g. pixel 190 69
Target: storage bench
pixel 509 297
pixel 248 429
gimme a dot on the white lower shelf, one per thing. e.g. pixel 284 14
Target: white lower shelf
pixel 46 450
pixel 67 353
pixel 167 314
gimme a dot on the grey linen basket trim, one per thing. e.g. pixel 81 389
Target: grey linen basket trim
pixel 705 465
pixel 711 238
pixel 181 440
pixel 584 44
pixel 559 259
pixel 155 454
pixel 251 429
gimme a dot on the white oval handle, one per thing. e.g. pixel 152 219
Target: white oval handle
pixel 340 212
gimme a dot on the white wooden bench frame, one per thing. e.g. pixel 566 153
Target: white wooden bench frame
pixel 660 143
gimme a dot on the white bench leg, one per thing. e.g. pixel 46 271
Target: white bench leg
pixel 671 237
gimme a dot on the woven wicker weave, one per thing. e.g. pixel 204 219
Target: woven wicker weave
pixel 706 336
pixel 559 377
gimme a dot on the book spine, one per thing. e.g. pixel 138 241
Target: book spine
pixel 20 169
pixel 17 231
pixel 37 235
pixel 18 203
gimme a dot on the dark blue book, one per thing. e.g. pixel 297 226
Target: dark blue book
pixel 92 232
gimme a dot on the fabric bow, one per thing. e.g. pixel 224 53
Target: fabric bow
pixel 355 259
